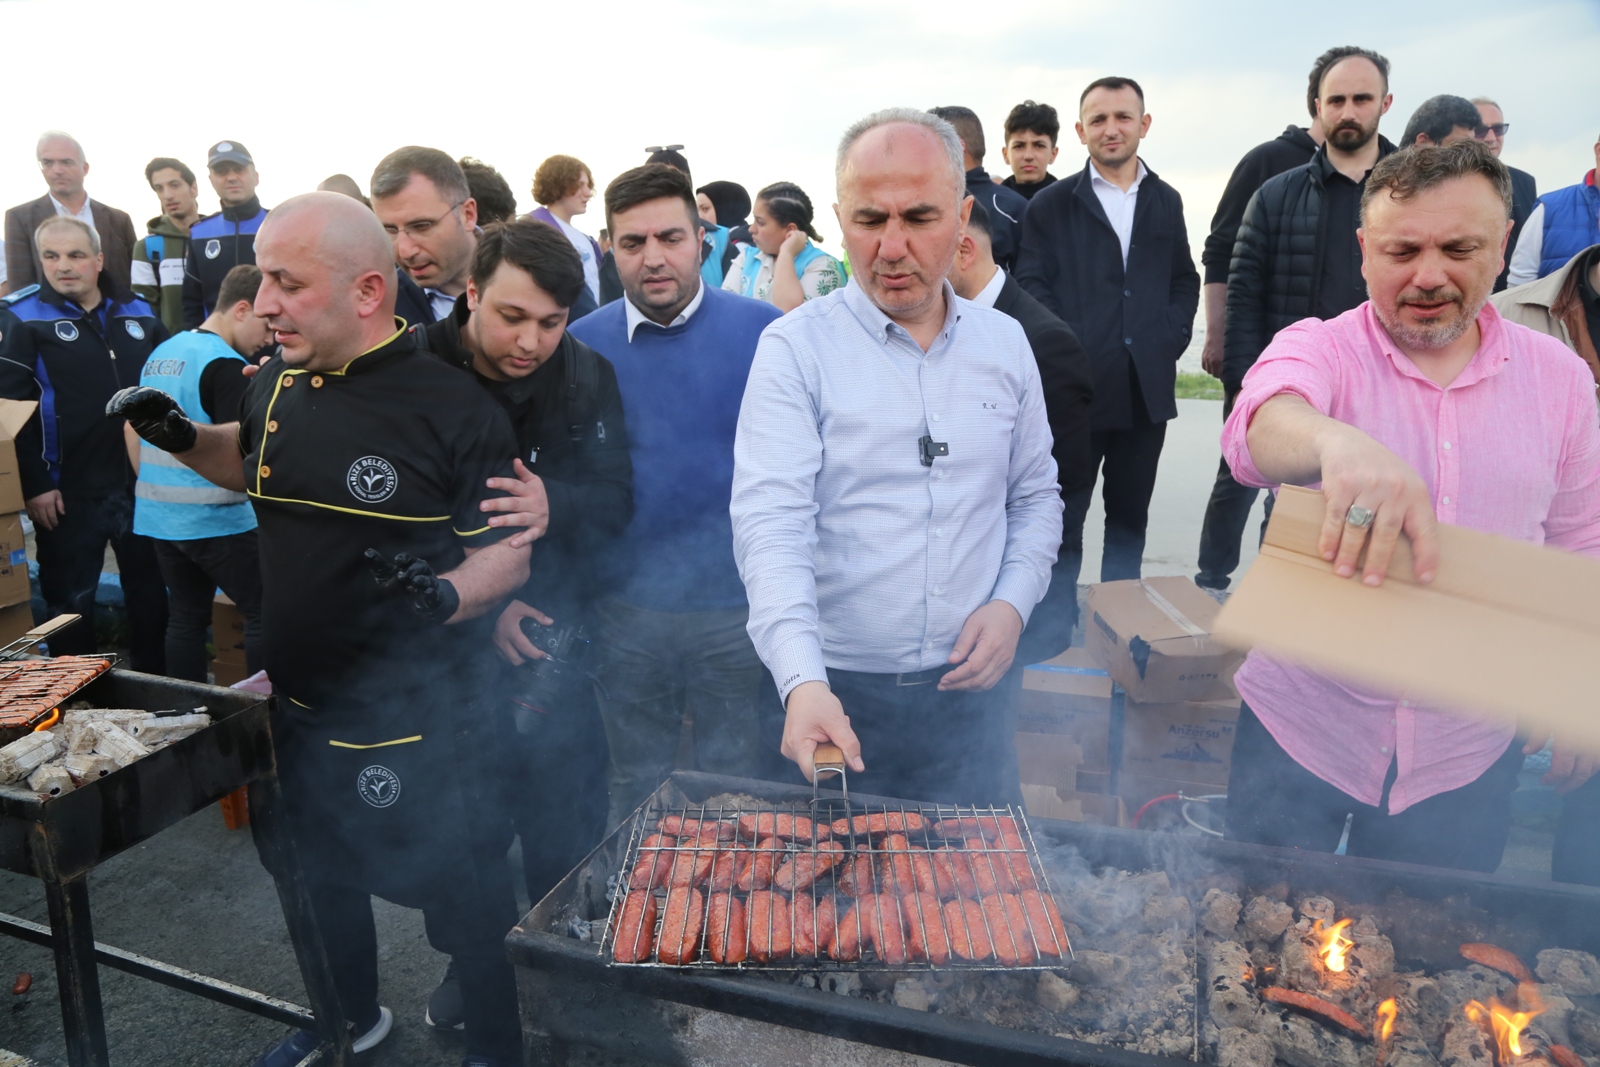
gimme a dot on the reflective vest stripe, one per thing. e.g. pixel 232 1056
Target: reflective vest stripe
pixel 187 494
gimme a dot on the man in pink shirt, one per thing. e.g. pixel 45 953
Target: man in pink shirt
pixel 1420 406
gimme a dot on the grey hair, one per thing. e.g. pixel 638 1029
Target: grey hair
pixel 1492 103
pixel 946 133
pixel 60 135
pixel 70 221
pixel 395 170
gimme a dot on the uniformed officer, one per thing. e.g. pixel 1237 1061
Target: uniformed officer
pixel 509 331
pixel 71 343
pixel 353 439
pixel 220 242
pixel 204 535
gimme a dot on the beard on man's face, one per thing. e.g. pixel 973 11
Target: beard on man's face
pixel 1351 136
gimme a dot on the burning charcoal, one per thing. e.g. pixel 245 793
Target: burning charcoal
pixel 51 779
pixel 1266 919
pixel 1238 1047
pixel 1055 993
pixel 844 983
pixel 912 993
pixel 1466 1045
pixel 1555 1018
pixel 26 754
pixel 1577 973
pixel 1300 1042
pixel 86 766
pixel 1165 912
pixel 112 740
pixel 1585 1029
pixel 1147 885
pixel 1318 909
pixel 1408 1052
pixel 1219 912
pixel 1423 1009
pixel 1476 982
pixel 1373 954
pixel 1100 968
pixel 1301 968
pixel 1229 998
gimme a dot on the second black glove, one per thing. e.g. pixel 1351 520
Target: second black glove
pixel 154 416
pixel 432 597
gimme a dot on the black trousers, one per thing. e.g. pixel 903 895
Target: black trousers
pixel 1272 800
pixel 1227 512
pixel 193 571
pixel 1127 462
pixel 71 557
pixel 1576 854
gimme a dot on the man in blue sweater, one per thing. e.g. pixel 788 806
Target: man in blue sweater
pixel 670 635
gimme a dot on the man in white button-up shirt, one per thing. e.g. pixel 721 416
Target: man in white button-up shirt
pixel 895 510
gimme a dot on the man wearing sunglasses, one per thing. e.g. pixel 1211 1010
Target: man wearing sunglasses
pixel 422 198
pixel 1524 191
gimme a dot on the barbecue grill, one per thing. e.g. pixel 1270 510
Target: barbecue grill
pixel 32 691
pixel 572 994
pixel 59 839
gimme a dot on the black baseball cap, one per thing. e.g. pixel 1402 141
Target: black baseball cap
pixel 228 152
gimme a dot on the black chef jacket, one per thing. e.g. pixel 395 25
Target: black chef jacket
pixel 389 452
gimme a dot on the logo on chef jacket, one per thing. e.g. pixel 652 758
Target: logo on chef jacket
pixel 378 786
pixel 135 331
pixel 372 479
pixel 213 248
pixel 66 331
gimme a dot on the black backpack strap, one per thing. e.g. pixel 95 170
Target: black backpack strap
pixel 582 388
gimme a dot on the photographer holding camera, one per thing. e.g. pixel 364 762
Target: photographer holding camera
pixel 509 330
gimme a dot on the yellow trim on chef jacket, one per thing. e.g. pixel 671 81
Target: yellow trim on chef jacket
pixel 380 744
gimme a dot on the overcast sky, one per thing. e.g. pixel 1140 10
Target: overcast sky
pixel 757 92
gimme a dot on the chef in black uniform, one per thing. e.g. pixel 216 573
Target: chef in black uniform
pixel 353 439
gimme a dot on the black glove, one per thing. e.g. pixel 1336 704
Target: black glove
pixel 432 597
pixel 154 416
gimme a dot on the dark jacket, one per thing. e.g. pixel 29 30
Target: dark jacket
pixel 1031 189
pixel 1141 317
pixel 1524 195
pixel 610 280
pixel 71 361
pixel 1275 278
pixel 22 259
pixel 410 302
pixel 1066 378
pixel 1006 208
pixel 1290 149
pixel 570 429
pixel 217 244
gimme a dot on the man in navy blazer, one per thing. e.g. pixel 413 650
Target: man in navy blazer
pixel 1106 250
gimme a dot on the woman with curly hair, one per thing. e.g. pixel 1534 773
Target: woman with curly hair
pixel 563 186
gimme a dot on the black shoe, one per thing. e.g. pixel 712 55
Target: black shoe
pixel 445 1011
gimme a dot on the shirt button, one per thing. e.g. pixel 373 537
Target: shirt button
pixel 316 381
pixel 272 427
pixel 1127 292
pixel 939 532
pixel 1127 340
pixel 288 380
pixel 935 416
pixel 266 472
pixel 1447 446
pixel 1444 500
pixel 928 645
pixel 938 590
pixel 1384 750
pixel 1405 703
pixel 1394 722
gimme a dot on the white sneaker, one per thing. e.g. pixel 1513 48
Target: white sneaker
pixel 379 1031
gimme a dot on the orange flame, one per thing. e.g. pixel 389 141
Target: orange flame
pixel 1334 944
pixel 1506 1024
pixel 1386 1016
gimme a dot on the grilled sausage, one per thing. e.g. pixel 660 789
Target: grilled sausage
pixel 654 863
pixel 989 869
pixel 886 928
pixel 1044 922
pixel 883 822
pixel 845 945
pixel 857 877
pixel 969 935
pixel 689 868
pixel 724 867
pixel 780 824
pixel 678 826
pixel 801 870
pixel 803 926
pixel 897 878
pixel 1498 958
pixel 952 871
pixel 636 928
pixel 684 918
pixel 756 866
pixel 1008 926
pixel 925 918
pixel 725 937
pixel 1017 859
pixel 767 919
pixel 922 871
pixel 987 826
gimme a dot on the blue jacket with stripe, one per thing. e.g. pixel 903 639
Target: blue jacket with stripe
pixel 71 361
pixel 217 244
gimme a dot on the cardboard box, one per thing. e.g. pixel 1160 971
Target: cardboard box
pixel 14 415
pixel 1192 742
pixel 1049 760
pixel 1042 802
pixel 1153 636
pixel 15 621
pixel 1069 695
pixel 227 631
pixel 224 673
pixel 14 588
pixel 1506 630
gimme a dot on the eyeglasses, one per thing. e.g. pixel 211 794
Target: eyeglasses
pixel 1497 128
pixel 421 227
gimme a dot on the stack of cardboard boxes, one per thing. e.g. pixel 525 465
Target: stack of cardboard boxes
pixel 227 637
pixel 1170 729
pixel 16 609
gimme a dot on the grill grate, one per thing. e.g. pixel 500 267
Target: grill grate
pixel 32 689
pixel 736 884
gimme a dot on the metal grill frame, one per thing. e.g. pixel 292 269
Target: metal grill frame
pixel 831 808
pixel 43 685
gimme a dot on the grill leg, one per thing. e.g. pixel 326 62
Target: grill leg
pixel 82 1016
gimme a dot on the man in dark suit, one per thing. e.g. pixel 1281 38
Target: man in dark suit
pixel 1005 206
pixel 1106 249
pixel 1067 381
pixel 64 167
pixel 1524 190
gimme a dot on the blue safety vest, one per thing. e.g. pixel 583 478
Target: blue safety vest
pixel 172 502
pixel 1571 223
pixel 752 266
pixel 711 266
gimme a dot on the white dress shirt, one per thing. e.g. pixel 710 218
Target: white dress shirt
pixel 1525 258
pixel 986 296
pixel 855 555
pixel 1119 205
pixel 635 316
pixel 84 216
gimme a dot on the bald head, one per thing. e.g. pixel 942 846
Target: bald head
pixel 344 185
pixel 328 279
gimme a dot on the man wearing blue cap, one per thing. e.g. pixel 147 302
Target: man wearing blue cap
pixel 218 243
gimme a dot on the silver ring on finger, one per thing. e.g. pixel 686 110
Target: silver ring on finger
pixel 1359 517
